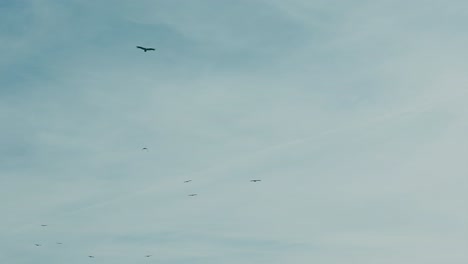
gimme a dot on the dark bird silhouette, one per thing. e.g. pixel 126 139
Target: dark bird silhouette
pixel 37 245
pixel 193 194
pixel 145 49
pixel 144 149
pixel 255 180
pixel 148 256
pixel 43 225
pixel 59 243
pixel 187 181
pixel 90 256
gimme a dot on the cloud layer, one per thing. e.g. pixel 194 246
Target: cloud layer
pixel 353 115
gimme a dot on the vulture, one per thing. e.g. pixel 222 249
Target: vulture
pixel 148 256
pixel 187 181
pixel 37 245
pixel 145 49
pixel 193 194
pixel 90 256
pixel 255 180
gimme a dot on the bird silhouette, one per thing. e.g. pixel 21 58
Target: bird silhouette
pixel 187 181
pixel 59 243
pixel 148 256
pixel 144 149
pixel 43 225
pixel 90 256
pixel 145 49
pixel 255 180
pixel 193 194
pixel 37 245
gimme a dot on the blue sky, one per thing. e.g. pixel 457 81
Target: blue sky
pixel 352 113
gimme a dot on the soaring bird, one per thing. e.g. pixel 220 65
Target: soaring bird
pixel 145 149
pixel 148 256
pixel 187 181
pixel 145 49
pixel 90 256
pixel 37 245
pixel 255 180
pixel 193 194
pixel 59 243
pixel 43 225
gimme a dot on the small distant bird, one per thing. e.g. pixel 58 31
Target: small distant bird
pixel 43 225
pixel 37 245
pixel 145 49
pixel 255 180
pixel 187 181
pixel 144 149
pixel 90 256
pixel 148 256
pixel 59 243
pixel 193 194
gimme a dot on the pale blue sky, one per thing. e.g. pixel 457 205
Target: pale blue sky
pixel 352 113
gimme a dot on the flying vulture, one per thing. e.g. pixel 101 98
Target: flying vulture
pixel 187 181
pixel 43 225
pixel 37 245
pixel 148 256
pixel 255 180
pixel 193 194
pixel 144 149
pixel 145 49
pixel 90 256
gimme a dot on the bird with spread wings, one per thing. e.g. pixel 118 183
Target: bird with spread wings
pixel 144 49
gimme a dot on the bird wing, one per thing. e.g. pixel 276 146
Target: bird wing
pixel 140 47
pixel 150 49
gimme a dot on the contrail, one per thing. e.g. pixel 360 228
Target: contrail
pixel 230 163
pixel 409 111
